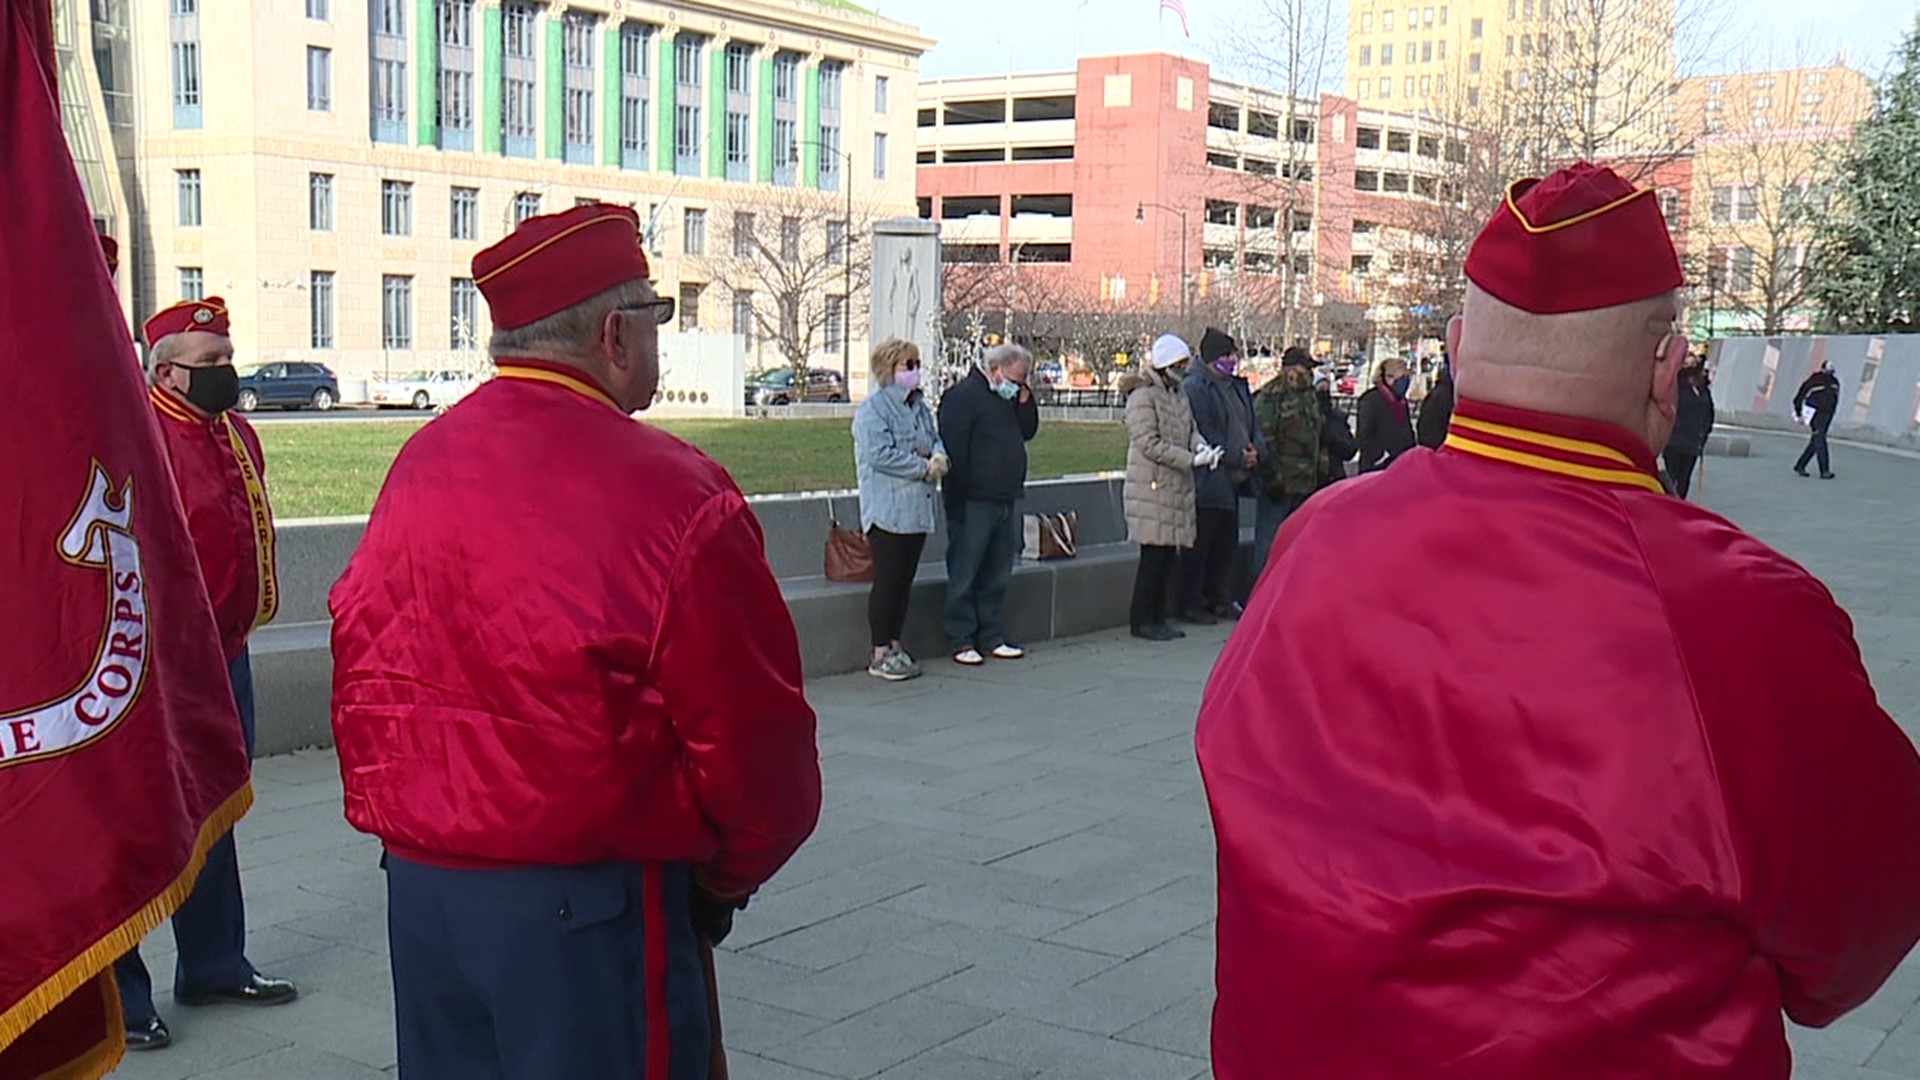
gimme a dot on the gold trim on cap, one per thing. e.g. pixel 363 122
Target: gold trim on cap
pixel 548 242
pixel 1575 219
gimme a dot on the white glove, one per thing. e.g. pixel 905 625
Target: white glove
pixel 1208 457
pixel 938 466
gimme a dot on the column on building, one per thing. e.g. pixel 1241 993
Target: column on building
pixel 664 100
pixel 553 137
pixel 716 105
pixel 763 159
pixel 810 122
pixel 426 73
pixel 489 117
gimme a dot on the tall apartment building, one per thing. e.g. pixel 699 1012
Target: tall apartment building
pixel 1111 185
pixel 1764 144
pixel 1560 78
pixel 331 166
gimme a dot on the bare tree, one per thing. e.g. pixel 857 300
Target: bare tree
pixel 801 262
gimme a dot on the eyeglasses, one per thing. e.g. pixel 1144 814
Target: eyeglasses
pixel 660 310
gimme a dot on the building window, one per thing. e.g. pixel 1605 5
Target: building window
pixel 786 118
pixel 1443 16
pixel 193 283
pixel 789 238
pixel 320 308
pixel 879 155
pixel 1366 56
pixel 1473 63
pixel 186 184
pixel 1479 28
pixel 1386 19
pixel 1386 55
pixel 689 305
pixel 742 235
pixel 739 123
pixel 519 103
pixel 1670 208
pixel 183 29
pixel 636 76
pixel 880 94
pixel 1426 52
pixel 463 325
pixel 396 208
pixel 1407 90
pixel 396 311
pixel 835 330
pixel 694 232
pixel 1386 89
pixel 688 50
pixel 577 36
pixel 743 319
pixel 317 9
pixel 389 49
pixel 836 243
pixel 320 202
pixel 525 205
pixel 463 214
pixel 1364 86
pixel 832 80
pixel 1366 23
pixel 319 78
pixel 454 109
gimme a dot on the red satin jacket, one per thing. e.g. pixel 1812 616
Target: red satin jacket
pixel 1520 768
pixel 559 642
pixel 220 474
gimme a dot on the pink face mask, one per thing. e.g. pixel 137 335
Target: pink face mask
pixel 908 380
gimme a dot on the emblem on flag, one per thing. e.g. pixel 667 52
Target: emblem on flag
pixel 1178 7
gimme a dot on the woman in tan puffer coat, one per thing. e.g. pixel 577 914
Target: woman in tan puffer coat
pixel 1162 451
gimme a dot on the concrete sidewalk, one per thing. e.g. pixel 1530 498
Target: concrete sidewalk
pixel 1013 875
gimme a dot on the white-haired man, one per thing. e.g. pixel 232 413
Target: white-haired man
pixel 986 421
pixel 1602 798
pixel 567 692
pixel 219 472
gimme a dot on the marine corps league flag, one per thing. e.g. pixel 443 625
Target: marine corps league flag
pixel 120 751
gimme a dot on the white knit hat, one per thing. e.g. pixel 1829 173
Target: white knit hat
pixel 1169 350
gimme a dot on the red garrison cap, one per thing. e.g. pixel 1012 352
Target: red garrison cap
pixel 1580 240
pixel 111 249
pixel 207 316
pixel 554 261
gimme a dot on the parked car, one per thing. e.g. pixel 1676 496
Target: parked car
pixel 776 387
pixel 422 389
pixel 290 384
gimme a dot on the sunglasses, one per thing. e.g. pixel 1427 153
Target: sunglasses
pixel 660 310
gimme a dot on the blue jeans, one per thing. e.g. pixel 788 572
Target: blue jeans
pixel 981 547
pixel 210 926
pixel 1268 516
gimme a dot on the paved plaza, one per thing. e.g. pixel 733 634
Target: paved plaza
pixel 1012 877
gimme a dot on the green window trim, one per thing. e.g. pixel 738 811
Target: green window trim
pixel 493 110
pixel 556 82
pixel 668 102
pixel 810 126
pixel 763 123
pixel 610 94
pixel 426 79
pixel 716 155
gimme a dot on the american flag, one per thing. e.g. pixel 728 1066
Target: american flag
pixel 1180 9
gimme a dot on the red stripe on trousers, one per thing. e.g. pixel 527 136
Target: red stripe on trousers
pixel 653 901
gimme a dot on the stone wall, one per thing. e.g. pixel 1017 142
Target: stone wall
pixel 1754 380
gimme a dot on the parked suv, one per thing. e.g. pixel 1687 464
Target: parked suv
pixel 776 387
pixel 290 384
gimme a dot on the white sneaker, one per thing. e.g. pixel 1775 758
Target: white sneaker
pixel 1008 651
pixel 893 667
pixel 969 657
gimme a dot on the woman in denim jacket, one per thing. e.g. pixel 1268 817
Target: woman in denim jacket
pixel 899 459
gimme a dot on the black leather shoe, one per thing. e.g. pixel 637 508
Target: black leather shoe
pixel 1198 618
pixel 1799 472
pixel 1826 476
pixel 1229 611
pixel 257 990
pixel 152 1035
pixel 1157 632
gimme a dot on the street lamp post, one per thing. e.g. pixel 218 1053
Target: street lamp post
pixel 846 262
pixel 1140 214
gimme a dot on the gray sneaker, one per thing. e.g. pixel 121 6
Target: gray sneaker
pixel 894 667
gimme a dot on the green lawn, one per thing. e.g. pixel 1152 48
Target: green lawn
pixel 333 468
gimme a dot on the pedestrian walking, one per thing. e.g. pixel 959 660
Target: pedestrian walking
pixel 1544 816
pixel 1163 452
pixel 1692 423
pixel 1436 411
pixel 566 692
pixel 1821 393
pixel 986 421
pixel 1381 417
pixel 1294 427
pixel 1223 413
pixel 219 472
pixel 899 460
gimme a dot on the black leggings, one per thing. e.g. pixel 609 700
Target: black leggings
pixel 896 557
pixel 1680 470
pixel 1151 584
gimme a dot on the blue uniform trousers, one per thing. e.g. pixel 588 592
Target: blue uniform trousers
pixel 210 926
pixel 546 973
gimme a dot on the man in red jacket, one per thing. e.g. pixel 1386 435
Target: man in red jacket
pixel 567 692
pixel 1600 799
pixel 218 470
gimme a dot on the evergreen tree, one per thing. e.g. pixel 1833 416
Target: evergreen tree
pixel 1866 262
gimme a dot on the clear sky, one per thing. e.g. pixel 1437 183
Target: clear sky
pixel 992 36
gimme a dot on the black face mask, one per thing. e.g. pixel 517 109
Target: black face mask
pixel 213 389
